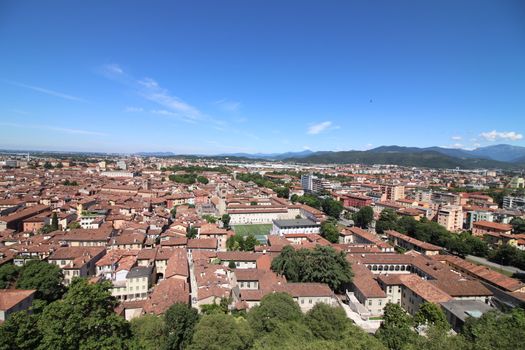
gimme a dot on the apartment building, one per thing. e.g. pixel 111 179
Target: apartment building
pixel 451 217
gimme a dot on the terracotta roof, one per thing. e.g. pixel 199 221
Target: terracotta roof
pixel 165 294
pixel 11 297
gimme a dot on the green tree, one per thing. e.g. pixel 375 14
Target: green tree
pixel 83 319
pixel 431 314
pixel 148 333
pixel 282 192
pixel 396 331
pixel 294 198
pixel 20 332
pixel 222 332
pixel 202 179
pixel 364 217
pixel 327 322
pixel 321 264
pixel 387 221
pixel 332 207
pixel 518 225
pixel 44 277
pixel 180 320
pixel 8 275
pixel 273 309
pixel 54 221
pixel 226 220
pixel 329 231
pixel 73 225
pixel 249 242
pixel 173 212
pixel 496 330
pixel 191 232
pixel 209 218
pixel 48 165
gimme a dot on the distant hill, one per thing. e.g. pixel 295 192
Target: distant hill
pixel 404 156
pixel 504 153
pixel 269 156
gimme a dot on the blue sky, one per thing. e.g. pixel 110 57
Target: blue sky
pixel 260 76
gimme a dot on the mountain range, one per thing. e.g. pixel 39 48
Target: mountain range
pixel 497 156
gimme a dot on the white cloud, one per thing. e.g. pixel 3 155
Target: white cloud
pixel 501 135
pixel 55 128
pixel 133 109
pixel 113 68
pixel 457 145
pixel 151 90
pixel 319 128
pixel 456 138
pixel 227 105
pixel 47 91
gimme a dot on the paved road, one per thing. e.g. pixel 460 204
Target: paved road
pixel 496 266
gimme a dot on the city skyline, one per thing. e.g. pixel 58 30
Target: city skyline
pixel 260 77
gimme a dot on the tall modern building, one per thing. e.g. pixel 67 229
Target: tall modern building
pixel 311 183
pixel 510 202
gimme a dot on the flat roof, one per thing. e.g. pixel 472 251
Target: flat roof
pixel 295 223
pixel 463 309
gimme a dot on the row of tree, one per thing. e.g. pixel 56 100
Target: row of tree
pixel 327 204
pixel 282 190
pixel 188 179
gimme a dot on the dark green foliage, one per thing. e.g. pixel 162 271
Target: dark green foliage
pixel 19 332
pixel 8 275
pixel 310 200
pixel 48 165
pixel 54 222
pixel 508 255
pixel 226 221
pixel 209 218
pixel 243 243
pixel 331 207
pixel 387 221
pixel 44 277
pixel 329 231
pixel 364 217
pixel 180 320
pixel 202 179
pixel 327 322
pixel 84 319
pixel 518 225
pixel 273 309
pixel 396 331
pixel 187 179
pixel 221 332
pixel 495 330
pixel 191 232
pixel 70 183
pixel 321 264
pixel 148 333
pixel 282 192
pixel 432 315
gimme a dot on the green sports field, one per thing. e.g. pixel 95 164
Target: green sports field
pixel 259 231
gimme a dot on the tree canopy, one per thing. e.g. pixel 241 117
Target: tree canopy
pixel 321 264
pixel 364 217
pixel 44 277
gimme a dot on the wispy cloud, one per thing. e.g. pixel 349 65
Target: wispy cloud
pixel 149 89
pixel 501 135
pixel 113 68
pixel 55 128
pixel 133 109
pixel 47 91
pixel 318 128
pixel 227 105
pixel 456 138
